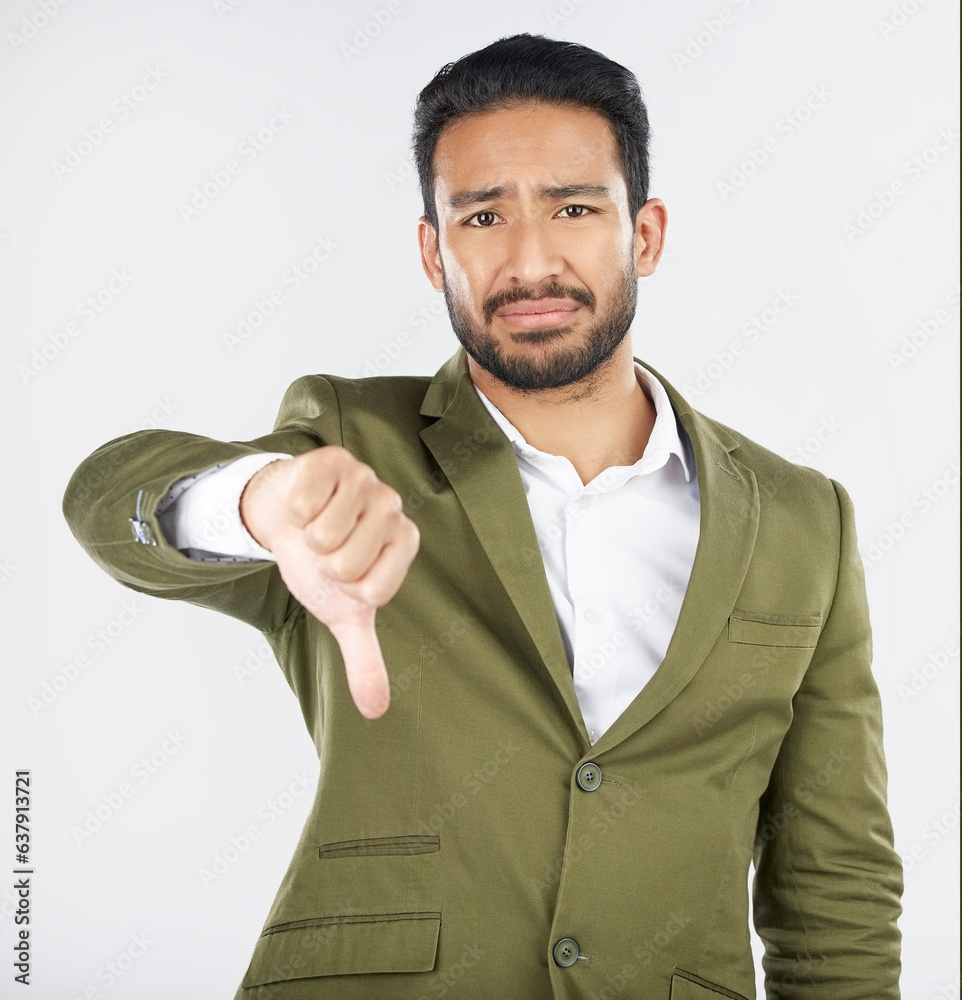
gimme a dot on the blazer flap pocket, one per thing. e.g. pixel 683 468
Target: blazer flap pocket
pixel 337 946
pixel 688 986
pixel 774 630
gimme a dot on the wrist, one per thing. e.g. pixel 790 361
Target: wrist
pixel 255 505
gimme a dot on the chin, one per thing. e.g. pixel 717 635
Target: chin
pixel 542 335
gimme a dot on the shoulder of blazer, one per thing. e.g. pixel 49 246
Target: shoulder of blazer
pixel 779 480
pixel 333 405
pixel 326 403
pixel 770 467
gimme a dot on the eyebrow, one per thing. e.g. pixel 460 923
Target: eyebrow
pixel 473 197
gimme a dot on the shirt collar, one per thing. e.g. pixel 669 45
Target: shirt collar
pixel 665 439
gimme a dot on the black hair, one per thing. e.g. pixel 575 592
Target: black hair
pixel 523 68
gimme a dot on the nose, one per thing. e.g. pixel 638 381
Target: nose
pixel 533 256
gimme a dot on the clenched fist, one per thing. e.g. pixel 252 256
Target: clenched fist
pixel 343 547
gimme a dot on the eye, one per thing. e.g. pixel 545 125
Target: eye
pixel 582 211
pixel 478 220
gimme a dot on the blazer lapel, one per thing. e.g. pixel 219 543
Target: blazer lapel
pixel 481 466
pixel 728 525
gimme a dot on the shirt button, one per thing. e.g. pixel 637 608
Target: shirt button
pixel 566 952
pixel 592 615
pixel 583 501
pixel 592 736
pixel 589 776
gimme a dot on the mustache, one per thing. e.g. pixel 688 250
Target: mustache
pixel 552 290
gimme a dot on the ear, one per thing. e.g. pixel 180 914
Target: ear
pixel 651 222
pixel 430 254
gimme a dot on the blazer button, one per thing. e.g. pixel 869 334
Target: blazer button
pixel 589 776
pixel 566 952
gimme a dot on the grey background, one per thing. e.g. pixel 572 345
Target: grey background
pixel 819 385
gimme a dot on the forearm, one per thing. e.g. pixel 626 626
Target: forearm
pixel 111 507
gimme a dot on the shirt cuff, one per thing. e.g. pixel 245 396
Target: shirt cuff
pixel 200 515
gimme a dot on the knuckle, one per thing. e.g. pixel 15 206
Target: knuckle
pixel 339 566
pixel 318 537
pixel 366 479
pixel 332 462
pixel 391 511
pixel 299 505
pixel 388 497
pixel 373 592
pixel 412 535
pixel 332 454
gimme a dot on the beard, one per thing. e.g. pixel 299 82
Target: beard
pixel 548 368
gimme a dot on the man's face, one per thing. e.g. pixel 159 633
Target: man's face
pixel 535 249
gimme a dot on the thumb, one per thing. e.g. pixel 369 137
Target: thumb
pixel 367 677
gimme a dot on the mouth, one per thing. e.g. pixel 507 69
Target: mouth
pixel 531 314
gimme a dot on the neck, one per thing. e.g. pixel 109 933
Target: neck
pixel 601 421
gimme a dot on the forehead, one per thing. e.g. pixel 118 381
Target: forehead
pixel 536 143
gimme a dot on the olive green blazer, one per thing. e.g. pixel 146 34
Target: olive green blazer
pixel 472 843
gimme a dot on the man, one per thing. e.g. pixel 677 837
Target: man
pixel 619 650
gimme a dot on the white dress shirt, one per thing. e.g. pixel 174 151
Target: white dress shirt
pixel 617 552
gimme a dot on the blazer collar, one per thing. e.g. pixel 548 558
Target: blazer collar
pixel 480 464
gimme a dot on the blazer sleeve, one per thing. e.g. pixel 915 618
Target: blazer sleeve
pixel 828 881
pixel 126 478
